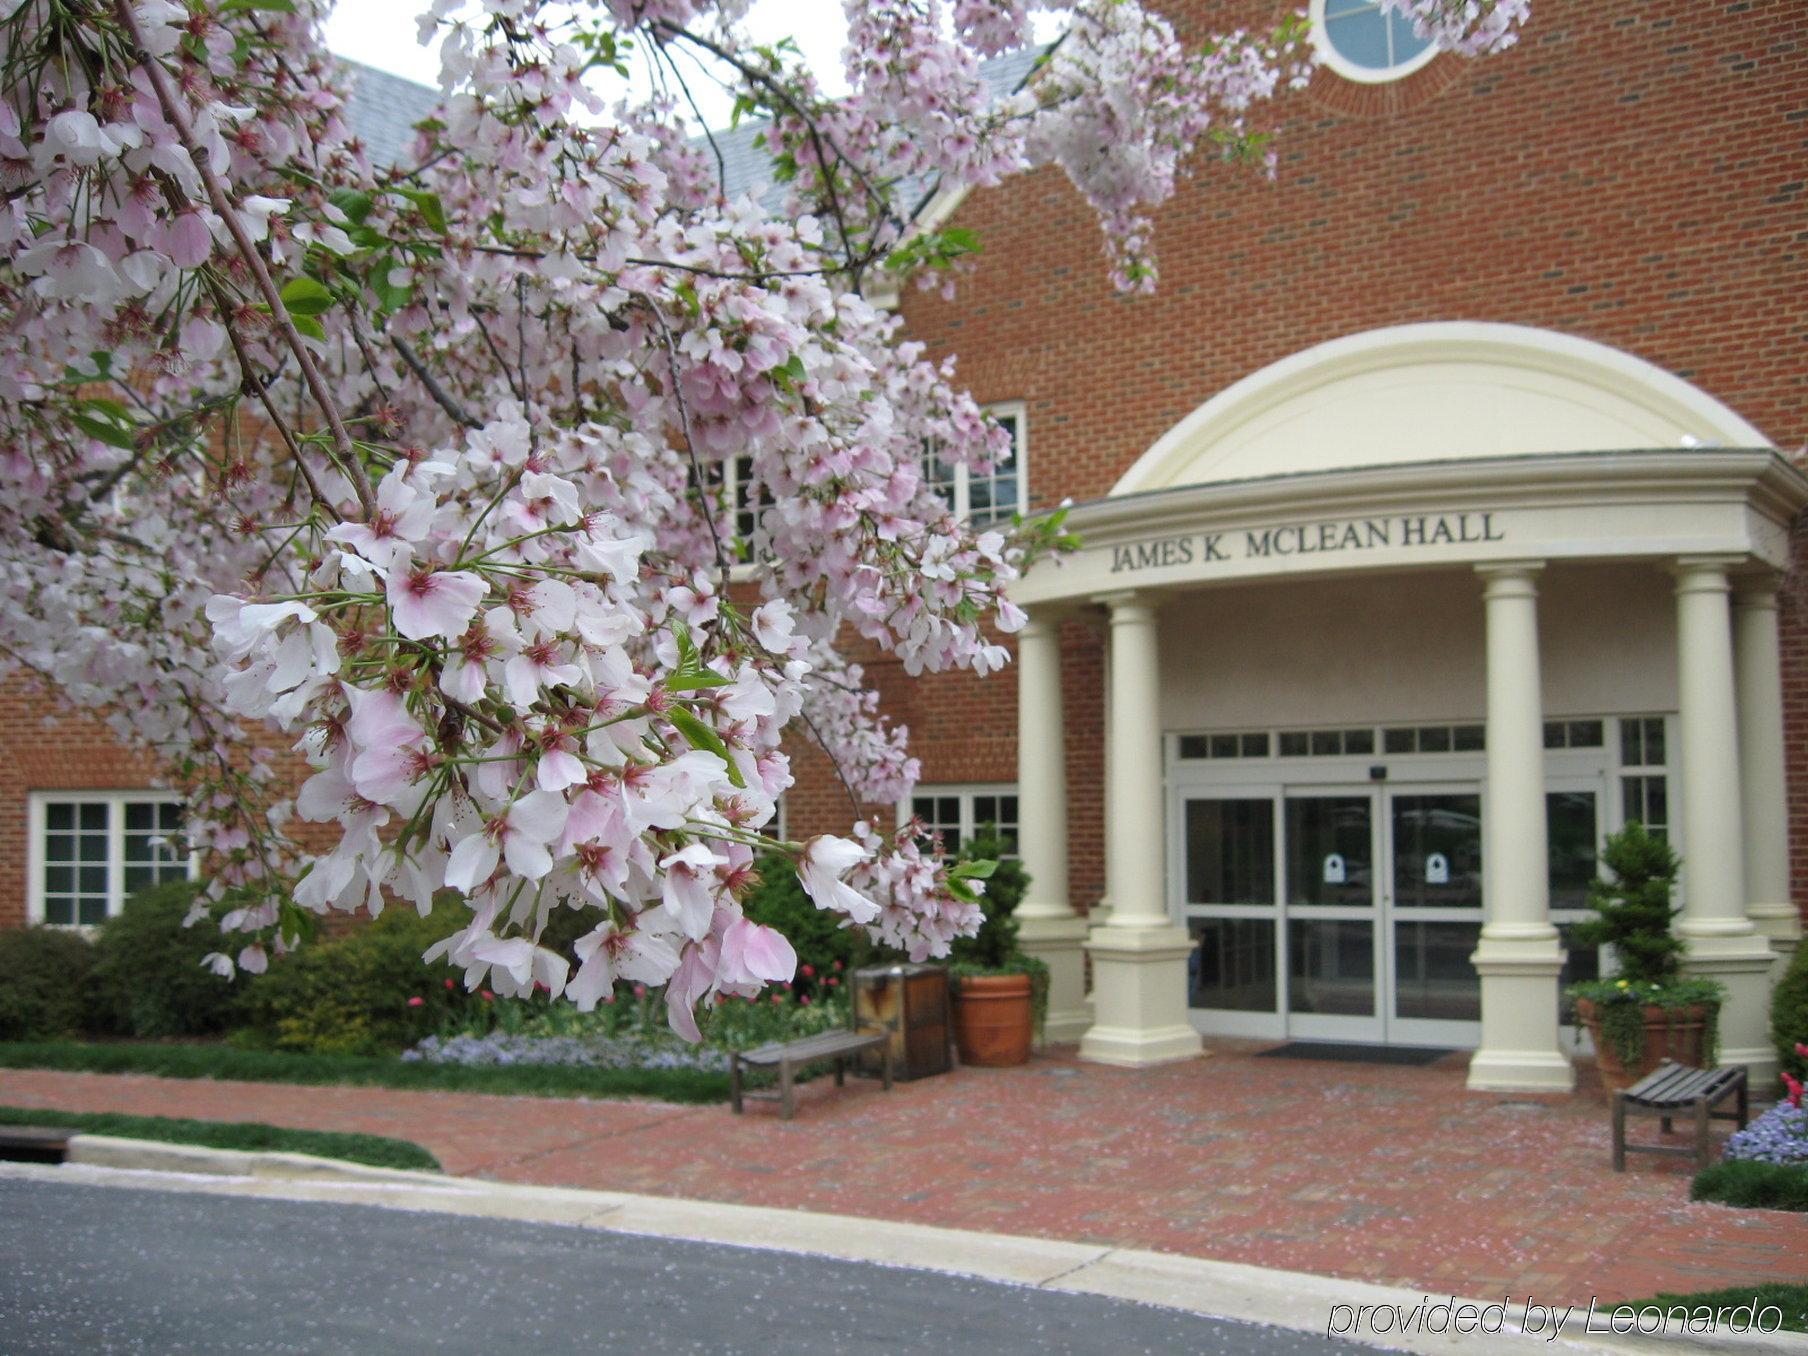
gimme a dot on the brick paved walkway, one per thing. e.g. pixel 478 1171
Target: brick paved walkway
pixel 1385 1174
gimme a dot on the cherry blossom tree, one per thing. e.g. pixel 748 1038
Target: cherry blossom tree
pixel 418 469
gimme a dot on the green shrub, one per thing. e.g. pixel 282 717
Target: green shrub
pixel 1632 906
pixel 994 950
pixel 148 978
pixel 995 946
pixel 44 974
pixel 350 995
pixel 1789 1015
pixel 1753 1186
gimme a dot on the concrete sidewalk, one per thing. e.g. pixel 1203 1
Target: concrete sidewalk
pixel 1394 1176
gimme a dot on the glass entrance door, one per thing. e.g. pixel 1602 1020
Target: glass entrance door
pixel 1433 903
pixel 1331 915
pixel 1335 912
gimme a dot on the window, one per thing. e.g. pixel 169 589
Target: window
pixel 994 497
pixel 1360 42
pixel 1326 743
pixel 1253 744
pixel 731 486
pixel 91 850
pixel 1573 734
pixel 1434 739
pixel 1644 785
pixel 957 814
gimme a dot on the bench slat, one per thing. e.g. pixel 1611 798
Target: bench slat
pixel 823 1046
pixel 1675 1085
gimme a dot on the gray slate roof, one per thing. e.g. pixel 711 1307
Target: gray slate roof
pixel 383 109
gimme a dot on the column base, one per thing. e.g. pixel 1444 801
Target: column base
pixel 1521 1049
pixel 1057 941
pixel 1743 963
pixel 1139 997
pixel 1782 925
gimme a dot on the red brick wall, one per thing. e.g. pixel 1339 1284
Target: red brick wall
pixel 1631 173
pixel 43 749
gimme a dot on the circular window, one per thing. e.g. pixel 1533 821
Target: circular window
pixel 1359 41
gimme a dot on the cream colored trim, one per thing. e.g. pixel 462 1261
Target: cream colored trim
pixel 1539 354
pixel 1577 506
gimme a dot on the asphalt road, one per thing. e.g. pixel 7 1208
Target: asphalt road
pixel 95 1269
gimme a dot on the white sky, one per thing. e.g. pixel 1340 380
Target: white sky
pixel 382 33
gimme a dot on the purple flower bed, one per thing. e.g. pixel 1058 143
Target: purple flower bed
pixel 588 1052
pixel 1780 1135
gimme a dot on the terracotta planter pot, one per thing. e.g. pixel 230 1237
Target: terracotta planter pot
pixel 1670 1033
pixel 992 1019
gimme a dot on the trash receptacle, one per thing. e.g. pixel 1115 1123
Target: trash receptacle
pixel 913 1001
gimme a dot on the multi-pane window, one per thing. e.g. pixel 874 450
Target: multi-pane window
pixel 1644 782
pixel 93 850
pixel 957 814
pixel 1250 744
pixel 1434 739
pixel 739 499
pixel 1326 743
pixel 995 496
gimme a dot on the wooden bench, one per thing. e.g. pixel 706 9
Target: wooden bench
pixel 1671 1090
pixel 789 1056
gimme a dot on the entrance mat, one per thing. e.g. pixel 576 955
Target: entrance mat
pixel 1417 1056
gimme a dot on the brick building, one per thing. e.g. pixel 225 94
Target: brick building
pixel 1435 524
pixel 1434 496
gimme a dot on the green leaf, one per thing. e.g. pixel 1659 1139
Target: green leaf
pixel 390 296
pixel 702 737
pixel 304 296
pixel 692 682
pixel 687 648
pixel 788 376
pixel 355 203
pixel 308 326
pixel 980 870
pixel 432 210
pixel 273 6
pixel 110 434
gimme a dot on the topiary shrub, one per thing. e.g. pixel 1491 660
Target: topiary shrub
pixel 43 983
pixel 148 979
pixel 1789 1015
pixel 354 995
pixel 994 949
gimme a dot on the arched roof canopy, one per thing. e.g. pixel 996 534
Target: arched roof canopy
pixel 1434 393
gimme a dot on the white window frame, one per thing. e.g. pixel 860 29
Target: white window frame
pixel 962 506
pixel 1328 54
pixel 967 792
pixel 116 802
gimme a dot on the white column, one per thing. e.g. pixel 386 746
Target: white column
pixel 1519 956
pixel 1763 788
pixel 1048 927
pixel 1722 943
pixel 1139 958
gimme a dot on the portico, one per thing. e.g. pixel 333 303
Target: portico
pixel 1363 718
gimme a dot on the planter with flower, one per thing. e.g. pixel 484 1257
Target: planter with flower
pixel 1647 1011
pixel 1000 994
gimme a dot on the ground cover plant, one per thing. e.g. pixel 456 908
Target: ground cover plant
pixel 376 1151
pixel 184 1060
